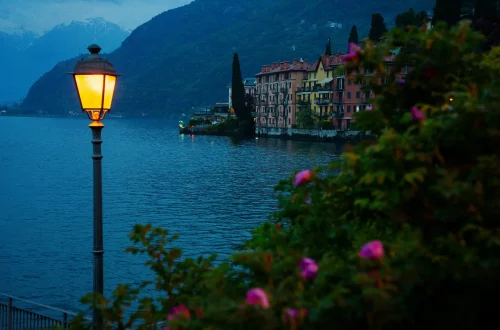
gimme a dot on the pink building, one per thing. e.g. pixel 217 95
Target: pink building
pixel 275 93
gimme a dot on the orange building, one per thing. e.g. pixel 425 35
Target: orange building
pixel 275 93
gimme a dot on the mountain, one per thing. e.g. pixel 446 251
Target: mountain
pixel 182 57
pixel 25 57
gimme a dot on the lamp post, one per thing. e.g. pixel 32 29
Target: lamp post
pixel 95 80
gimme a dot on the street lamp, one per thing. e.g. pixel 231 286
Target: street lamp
pixel 95 80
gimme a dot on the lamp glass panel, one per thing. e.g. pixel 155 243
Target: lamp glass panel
pixel 90 90
pixel 109 90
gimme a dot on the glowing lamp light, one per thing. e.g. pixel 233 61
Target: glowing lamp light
pixel 95 81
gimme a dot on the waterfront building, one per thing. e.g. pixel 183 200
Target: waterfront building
pixel 315 90
pixel 250 86
pixel 275 93
pixel 284 89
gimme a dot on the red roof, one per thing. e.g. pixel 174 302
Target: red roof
pixel 300 66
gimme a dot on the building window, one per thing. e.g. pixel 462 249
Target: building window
pixel 348 95
pixel 348 109
pixel 357 95
pixel 357 108
pixel 314 75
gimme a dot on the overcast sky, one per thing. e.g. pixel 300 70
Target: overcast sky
pixel 41 15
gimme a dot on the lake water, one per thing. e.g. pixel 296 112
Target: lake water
pixel 210 190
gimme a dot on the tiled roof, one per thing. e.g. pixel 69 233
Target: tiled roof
pixel 300 66
pixel 325 60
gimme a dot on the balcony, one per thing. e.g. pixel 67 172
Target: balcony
pixel 323 102
pixel 338 114
pixel 283 90
pixel 303 102
pixel 303 90
pixel 321 89
pixel 338 100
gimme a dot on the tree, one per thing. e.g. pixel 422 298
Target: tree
pixel 353 36
pixel 328 50
pixel 486 9
pixel 305 118
pixel 238 91
pixel 408 18
pixel 447 11
pixel 378 27
pixel 249 103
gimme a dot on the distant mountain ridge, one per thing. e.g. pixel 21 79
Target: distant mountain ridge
pixel 25 57
pixel 182 58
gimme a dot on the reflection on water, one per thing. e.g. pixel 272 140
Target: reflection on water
pixel 211 190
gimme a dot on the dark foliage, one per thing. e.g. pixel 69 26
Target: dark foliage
pixel 447 11
pixel 249 103
pixel 353 35
pixel 238 91
pixel 486 9
pixel 408 18
pixel 378 27
pixel 328 50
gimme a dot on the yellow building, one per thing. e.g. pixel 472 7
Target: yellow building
pixel 315 92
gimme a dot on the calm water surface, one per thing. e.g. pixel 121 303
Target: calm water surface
pixel 210 190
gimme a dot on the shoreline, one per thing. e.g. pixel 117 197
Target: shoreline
pixel 297 134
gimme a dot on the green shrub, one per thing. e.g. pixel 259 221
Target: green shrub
pixel 326 124
pixel 428 189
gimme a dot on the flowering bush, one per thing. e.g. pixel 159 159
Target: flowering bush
pixel 404 238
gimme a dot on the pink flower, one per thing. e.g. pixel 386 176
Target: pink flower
pixel 372 250
pixel 353 52
pixel 302 178
pixel 179 312
pixel 308 201
pixel 369 108
pixel 353 48
pixel 257 296
pixel 349 57
pixel 417 114
pixel 291 314
pixel 308 267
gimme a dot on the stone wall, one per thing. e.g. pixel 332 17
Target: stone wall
pixel 307 134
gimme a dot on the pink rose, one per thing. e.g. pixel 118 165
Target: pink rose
pixel 308 267
pixel 179 312
pixel 417 114
pixel 372 250
pixel 257 296
pixel 302 178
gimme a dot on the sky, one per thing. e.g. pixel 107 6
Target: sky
pixel 40 16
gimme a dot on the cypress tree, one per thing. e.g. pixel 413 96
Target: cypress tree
pixel 486 9
pixel 238 91
pixel 353 36
pixel 448 11
pixel 328 50
pixel 378 27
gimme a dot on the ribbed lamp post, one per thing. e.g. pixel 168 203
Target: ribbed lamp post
pixel 95 80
